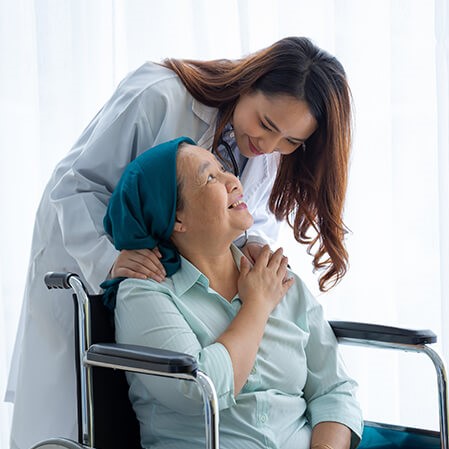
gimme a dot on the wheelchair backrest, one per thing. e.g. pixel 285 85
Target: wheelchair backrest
pixel 115 423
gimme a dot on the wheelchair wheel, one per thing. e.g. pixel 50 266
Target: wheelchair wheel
pixel 59 443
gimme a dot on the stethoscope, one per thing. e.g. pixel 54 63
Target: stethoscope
pixel 227 147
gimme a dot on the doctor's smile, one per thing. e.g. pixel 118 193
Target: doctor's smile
pixel 253 149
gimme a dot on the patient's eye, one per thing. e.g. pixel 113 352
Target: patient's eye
pixel 211 178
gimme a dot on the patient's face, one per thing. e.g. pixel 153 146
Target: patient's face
pixel 212 199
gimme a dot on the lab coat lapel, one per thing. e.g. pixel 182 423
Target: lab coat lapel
pixel 209 116
pixel 254 177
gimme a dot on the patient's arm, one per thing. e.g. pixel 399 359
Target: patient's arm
pixel 260 288
pixel 149 314
pixel 330 435
pixel 329 390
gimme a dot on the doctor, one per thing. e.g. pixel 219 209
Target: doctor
pixel 280 118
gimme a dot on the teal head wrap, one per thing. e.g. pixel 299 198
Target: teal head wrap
pixel 142 209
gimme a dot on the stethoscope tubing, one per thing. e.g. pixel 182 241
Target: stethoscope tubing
pixel 235 167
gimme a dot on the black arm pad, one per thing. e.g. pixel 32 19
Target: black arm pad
pixel 376 332
pixel 142 357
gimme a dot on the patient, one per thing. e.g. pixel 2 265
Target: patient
pixel 255 330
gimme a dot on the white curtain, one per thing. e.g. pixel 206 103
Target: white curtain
pixel 61 60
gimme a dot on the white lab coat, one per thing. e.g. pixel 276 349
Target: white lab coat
pixel 149 107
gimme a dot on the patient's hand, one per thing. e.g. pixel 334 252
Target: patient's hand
pixel 140 264
pixel 266 282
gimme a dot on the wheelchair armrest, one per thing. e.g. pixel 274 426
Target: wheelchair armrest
pixel 377 332
pixel 133 357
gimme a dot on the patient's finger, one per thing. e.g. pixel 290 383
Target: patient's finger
pixel 282 269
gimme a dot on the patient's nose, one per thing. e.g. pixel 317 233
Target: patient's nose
pixel 232 183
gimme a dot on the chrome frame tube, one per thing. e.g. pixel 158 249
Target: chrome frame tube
pixel 211 411
pixel 442 394
pixel 440 370
pixel 87 418
pixel 210 399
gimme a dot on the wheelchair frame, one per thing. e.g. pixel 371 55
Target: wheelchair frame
pixel 171 364
pixel 133 358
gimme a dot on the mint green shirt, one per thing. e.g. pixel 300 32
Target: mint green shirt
pixel 297 381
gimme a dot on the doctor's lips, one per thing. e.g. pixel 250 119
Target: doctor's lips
pixel 253 149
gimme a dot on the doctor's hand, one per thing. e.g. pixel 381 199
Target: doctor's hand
pixel 252 251
pixel 266 283
pixel 139 264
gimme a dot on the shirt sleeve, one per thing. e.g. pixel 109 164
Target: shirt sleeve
pixel 148 317
pixel 329 391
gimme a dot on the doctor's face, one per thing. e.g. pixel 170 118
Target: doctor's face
pixel 266 124
pixel 212 203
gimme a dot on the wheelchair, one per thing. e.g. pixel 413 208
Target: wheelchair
pixel 107 421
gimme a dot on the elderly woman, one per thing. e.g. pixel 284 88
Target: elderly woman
pixel 255 330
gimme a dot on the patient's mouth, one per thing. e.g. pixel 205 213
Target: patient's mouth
pixel 238 205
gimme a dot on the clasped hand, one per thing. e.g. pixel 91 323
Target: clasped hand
pixel 266 282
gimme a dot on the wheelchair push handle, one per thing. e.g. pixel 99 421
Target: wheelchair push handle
pixel 55 279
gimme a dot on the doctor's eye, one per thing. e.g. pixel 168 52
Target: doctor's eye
pixel 211 178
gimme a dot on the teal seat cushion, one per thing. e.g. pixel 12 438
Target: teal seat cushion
pixel 383 436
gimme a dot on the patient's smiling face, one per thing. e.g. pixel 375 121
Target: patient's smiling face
pixel 212 203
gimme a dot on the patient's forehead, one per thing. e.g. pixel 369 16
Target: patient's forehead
pixel 191 158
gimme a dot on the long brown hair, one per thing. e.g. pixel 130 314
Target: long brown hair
pixel 310 186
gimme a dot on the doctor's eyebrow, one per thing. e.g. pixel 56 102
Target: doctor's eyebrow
pixel 273 125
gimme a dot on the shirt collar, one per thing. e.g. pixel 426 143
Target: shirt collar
pixel 188 275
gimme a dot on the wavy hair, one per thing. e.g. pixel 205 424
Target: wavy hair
pixel 310 186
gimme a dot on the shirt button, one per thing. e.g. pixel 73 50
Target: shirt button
pixel 253 370
pixel 263 418
pixel 232 134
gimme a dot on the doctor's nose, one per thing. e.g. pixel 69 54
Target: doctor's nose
pixel 270 143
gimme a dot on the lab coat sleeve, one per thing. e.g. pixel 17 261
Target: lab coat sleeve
pixel 85 183
pixel 329 391
pixel 147 316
